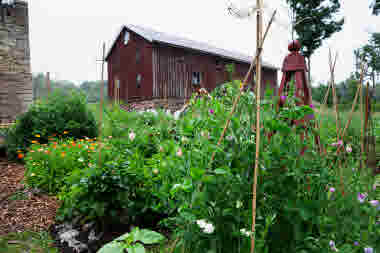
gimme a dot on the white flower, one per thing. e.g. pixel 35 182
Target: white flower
pixel 176 115
pixel 81 160
pixel 245 232
pixel 132 136
pixel 229 138
pixel 239 204
pixel 348 149
pixel 155 171
pixel 209 228
pixel 161 149
pixel 201 223
pixel 184 139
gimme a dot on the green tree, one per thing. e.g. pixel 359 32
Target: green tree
pixel 314 21
pixel 370 54
pixel 375 5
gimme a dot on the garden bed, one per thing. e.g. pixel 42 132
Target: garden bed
pixel 22 209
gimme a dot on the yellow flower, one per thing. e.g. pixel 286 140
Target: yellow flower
pixel 34 141
pixel 32 175
pixel 65 132
pixel 38 136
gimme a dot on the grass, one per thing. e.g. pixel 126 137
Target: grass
pixel 31 242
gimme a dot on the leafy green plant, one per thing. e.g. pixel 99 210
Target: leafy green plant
pixel 59 115
pixel 48 165
pixel 133 242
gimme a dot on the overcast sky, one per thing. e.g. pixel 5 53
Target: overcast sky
pixel 66 36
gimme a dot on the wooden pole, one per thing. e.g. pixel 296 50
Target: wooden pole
pixel 236 101
pixel 258 96
pixel 48 85
pixel 362 125
pixel 101 102
pixel 335 99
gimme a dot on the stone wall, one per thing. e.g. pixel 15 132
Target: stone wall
pixel 16 92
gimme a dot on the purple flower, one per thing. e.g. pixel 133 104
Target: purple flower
pixel 311 106
pixel 374 203
pixel 332 246
pixel 339 143
pixel 356 243
pixel 362 197
pixel 332 189
pixel 310 116
pixel 283 98
pixel 211 111
pixel 368 250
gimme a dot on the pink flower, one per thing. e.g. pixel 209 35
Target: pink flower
pixel 132 136
pixel 339 143
pixel 211 111
pixel 362 197
pixel 348 149
pixel 332 189
pixel 332 246
pixel 179 152
pixel 283 98
pixel 311 106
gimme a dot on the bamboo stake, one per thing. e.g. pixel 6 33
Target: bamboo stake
pixel 362 127
pixel 48 85
pixel 258 96
pixel 353 107
pixel 335 99
pixel 101 102
pixel 253 63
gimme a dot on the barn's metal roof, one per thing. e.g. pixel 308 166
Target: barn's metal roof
pixel 160 37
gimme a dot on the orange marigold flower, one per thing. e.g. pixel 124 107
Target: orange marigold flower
pixel 92 148
pixel 79 145
pixel 65 132
pixel 47 152
pixel 20 155
pixel 63 154
pixel 55 143
pixel 54 135
pixel 34 141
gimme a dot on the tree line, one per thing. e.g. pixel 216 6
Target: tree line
pixel 91 89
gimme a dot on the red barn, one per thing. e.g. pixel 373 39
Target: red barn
pixel 145 64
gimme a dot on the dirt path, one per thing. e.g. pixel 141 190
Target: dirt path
pixel 20 208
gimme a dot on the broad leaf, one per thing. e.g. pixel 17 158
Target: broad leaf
pixel 112 247
pixel 147 236
pixel 137 248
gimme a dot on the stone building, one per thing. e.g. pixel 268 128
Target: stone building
pixel 16 92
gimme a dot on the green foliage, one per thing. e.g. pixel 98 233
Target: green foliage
pixel 315 22
pixel 47 166
pixel 375 5
pixel 91 89
pixel 60 115
pixel 158 163
pixel 133 242
pixel 27 241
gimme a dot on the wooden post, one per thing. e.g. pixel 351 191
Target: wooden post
pixel 101 102
pixel 258 95
pixel 48 85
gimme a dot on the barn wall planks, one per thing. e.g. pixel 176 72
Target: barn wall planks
pixel 124 66
pixel 167 71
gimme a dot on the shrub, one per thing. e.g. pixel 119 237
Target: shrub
pixel 60 115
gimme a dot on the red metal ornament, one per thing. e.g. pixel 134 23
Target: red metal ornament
pixel 294 68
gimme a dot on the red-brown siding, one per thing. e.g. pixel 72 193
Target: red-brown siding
pixel 167 71
pixel 122 65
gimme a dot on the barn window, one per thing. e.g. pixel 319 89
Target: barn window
pixel 138 80
pixel 196 78
pixel 126 38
